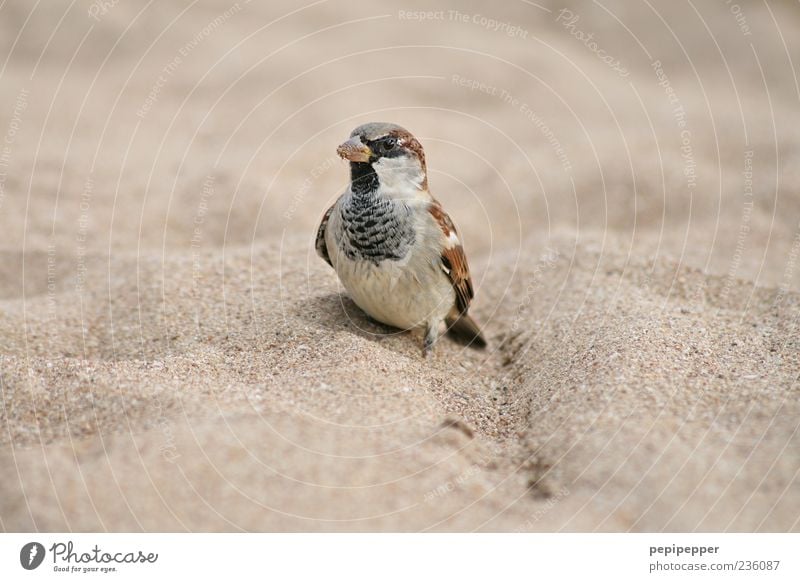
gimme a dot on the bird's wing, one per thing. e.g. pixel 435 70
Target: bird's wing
pixel 321 245
pixel 453 259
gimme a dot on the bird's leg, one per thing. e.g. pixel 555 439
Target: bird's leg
pixel 431 335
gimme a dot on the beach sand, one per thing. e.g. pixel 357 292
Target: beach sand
pixel 176 357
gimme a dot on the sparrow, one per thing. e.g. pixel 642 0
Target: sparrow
pixel 394 248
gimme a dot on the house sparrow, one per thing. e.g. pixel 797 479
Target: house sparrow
pixel 395 249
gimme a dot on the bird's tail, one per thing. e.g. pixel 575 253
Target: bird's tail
pixel 464 329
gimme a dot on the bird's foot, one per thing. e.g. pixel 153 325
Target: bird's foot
pixel 431 335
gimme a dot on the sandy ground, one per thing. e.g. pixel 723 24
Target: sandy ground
pixel 175 356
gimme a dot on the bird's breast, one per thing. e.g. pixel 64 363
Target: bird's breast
pixel 384 257
pixel 375 230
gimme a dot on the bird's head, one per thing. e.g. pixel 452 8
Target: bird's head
pixel 388 152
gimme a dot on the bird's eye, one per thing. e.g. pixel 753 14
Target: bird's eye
pixel 388 144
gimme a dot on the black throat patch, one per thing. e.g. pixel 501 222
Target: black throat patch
pixel 374 228
pixel 363 178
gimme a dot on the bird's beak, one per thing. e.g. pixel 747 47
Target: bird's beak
pixel 354 150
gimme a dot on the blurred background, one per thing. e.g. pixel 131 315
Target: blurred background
pixel 537 117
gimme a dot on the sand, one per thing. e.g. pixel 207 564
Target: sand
pixel 176 357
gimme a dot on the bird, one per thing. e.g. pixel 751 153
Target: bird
pixel 394 248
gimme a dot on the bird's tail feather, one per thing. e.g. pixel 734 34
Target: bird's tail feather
pixel 464 329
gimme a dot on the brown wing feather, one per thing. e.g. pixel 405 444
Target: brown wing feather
pixel 454 261
pixel 321 245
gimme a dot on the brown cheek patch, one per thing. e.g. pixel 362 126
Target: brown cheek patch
pixel 410 143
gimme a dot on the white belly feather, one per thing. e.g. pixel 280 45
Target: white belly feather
pixel 408 293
